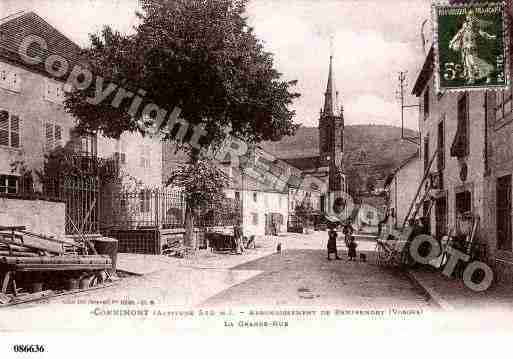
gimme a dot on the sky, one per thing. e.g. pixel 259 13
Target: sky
pixel 371 41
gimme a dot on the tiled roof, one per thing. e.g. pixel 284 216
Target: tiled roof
pixel 14 30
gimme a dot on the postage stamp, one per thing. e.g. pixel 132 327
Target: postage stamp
pixel 470 47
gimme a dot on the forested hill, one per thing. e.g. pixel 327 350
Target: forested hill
pixel 378 147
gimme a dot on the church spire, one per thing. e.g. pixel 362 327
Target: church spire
pixel 331 94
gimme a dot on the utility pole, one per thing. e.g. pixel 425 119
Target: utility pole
pixel 400 95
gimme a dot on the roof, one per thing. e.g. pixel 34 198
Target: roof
pixel 390 177
pixel 304 163
pixel 330 96
pixel 16 28
pixel 425 73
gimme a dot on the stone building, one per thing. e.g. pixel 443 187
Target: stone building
pixel 325 163
pixel 401 186
pixel 451 124
pixel 498 163
pixel 33 120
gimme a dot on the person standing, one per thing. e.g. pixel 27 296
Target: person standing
pixel 332 242
pixel 237 234
pixel 348 231
pixel 351 248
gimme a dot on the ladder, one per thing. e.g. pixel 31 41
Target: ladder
pixel 415 205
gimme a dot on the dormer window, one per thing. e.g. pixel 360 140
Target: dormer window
pixel 9 78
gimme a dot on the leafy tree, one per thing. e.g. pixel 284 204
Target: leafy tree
pixel 203 183
pixel 305 212
pixel 198 55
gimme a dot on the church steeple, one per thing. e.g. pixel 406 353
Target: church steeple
pixel 331 134
pixel 331 94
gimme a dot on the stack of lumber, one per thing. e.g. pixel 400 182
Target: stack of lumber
pixel 22 249
pixel 24 252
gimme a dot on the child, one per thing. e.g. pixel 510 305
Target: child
pixel 332 242
pixel 348 231
pixel 351 248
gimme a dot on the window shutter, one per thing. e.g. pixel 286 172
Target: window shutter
pixel 4 128
pixel 15 131
pixel 58 136
pixel 459 147
pixel 49 136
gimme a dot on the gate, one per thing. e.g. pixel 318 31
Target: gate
pixel 81 195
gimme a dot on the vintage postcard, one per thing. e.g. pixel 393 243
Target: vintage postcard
pixel 471 45
pixel 253 168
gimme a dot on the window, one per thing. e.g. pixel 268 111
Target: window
pixel 145 156
pixel 504 106
pixel 54 91
pixel 460 146
pixel 237 196
pixel 504 213
pixel 463 202
pixel 121 151
pixel 255 197
pixel 53 136
pixel 8 184
pixel 9 129
pixel 9 78
pixel 144 200
pixel 426 103
pixel 254 218
pixel 441 144
pixel 87 145
pixel 426 153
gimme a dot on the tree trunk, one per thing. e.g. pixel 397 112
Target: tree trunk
pixel 190 238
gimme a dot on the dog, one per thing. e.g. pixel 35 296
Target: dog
pixel 278 248
pixel 363 257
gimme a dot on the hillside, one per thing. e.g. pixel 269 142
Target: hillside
pixel 381 146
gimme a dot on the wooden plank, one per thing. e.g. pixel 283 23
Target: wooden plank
pixel 61 267
pixel 5 283
pixel 35 243
pixel 46 238
pixel 18 254
pixel 4 298
pixel 32 296
pixel 15 248
pixel 12 228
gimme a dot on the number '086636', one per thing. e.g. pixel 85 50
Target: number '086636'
pixel 28 348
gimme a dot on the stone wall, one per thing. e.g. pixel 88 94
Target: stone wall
pixel 44 217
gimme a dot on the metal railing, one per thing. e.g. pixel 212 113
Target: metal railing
pixel 162 208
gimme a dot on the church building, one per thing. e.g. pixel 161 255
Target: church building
pixel 325 163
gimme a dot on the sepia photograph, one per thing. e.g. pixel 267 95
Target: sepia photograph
pixel 254 167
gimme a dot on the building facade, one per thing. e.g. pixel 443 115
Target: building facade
pixel 34 122
pixel 401 187
pixel 452 146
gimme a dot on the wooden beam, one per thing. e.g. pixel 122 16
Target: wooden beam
pixel 5 283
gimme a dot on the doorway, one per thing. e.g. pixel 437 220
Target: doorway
pixel 504 213
pixel 441 217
